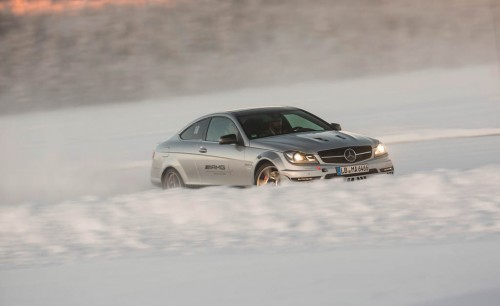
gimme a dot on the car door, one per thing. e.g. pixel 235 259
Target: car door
pixel 222 164
pixel 186 151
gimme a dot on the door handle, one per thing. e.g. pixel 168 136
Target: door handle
pixel 202 150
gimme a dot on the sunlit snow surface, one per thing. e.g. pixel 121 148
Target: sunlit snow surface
pixel 443 205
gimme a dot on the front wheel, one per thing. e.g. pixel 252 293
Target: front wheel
pixel 172 179
pixel 267 174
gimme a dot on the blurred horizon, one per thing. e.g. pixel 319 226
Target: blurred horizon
pixel 68 53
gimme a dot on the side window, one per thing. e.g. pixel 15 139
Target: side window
pixel 195 131
pixel 298 121
pixel 220 126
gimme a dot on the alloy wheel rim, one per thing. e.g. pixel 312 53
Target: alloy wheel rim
pixel 268 176
pixel 173 181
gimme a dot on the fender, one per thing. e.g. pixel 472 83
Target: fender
pixel 271 156
pixel 169 163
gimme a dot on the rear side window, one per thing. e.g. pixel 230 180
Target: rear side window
pixel 196 131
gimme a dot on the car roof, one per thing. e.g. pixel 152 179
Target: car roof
pixel 259 110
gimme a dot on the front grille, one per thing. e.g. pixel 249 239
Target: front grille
pixel 336 156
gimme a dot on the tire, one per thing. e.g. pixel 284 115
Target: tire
pixel 172 179
pixel 267 174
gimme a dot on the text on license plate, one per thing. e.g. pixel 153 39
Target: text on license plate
pixel 352 169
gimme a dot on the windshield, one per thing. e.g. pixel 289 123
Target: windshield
pixel 274 123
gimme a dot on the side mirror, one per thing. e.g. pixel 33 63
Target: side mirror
pixel 228 139
pixel 336 126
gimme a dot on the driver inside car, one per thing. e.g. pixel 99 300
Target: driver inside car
pixel 275 126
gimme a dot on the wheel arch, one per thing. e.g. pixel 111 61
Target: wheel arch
pixel 268 157
pixel 181 173
pixel 260 163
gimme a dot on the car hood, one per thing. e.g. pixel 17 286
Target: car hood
pixel 312 142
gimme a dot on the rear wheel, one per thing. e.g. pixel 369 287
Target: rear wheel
pixel 172 179
pixel 267 174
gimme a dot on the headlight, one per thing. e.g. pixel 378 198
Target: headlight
pixel 296 157
pixel 380 150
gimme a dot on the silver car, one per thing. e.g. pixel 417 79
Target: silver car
pixel 263 146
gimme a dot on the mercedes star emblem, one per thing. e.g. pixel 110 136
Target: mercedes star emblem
pixel 350 155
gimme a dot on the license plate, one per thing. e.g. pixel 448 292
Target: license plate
pixel 352 169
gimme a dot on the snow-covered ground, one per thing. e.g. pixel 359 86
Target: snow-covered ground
pixel 80 223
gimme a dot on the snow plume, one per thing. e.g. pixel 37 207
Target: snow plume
pixel 444 205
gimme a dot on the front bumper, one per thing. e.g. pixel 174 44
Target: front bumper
pixel 382 165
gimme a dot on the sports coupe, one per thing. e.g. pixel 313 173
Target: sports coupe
pixel 265 146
